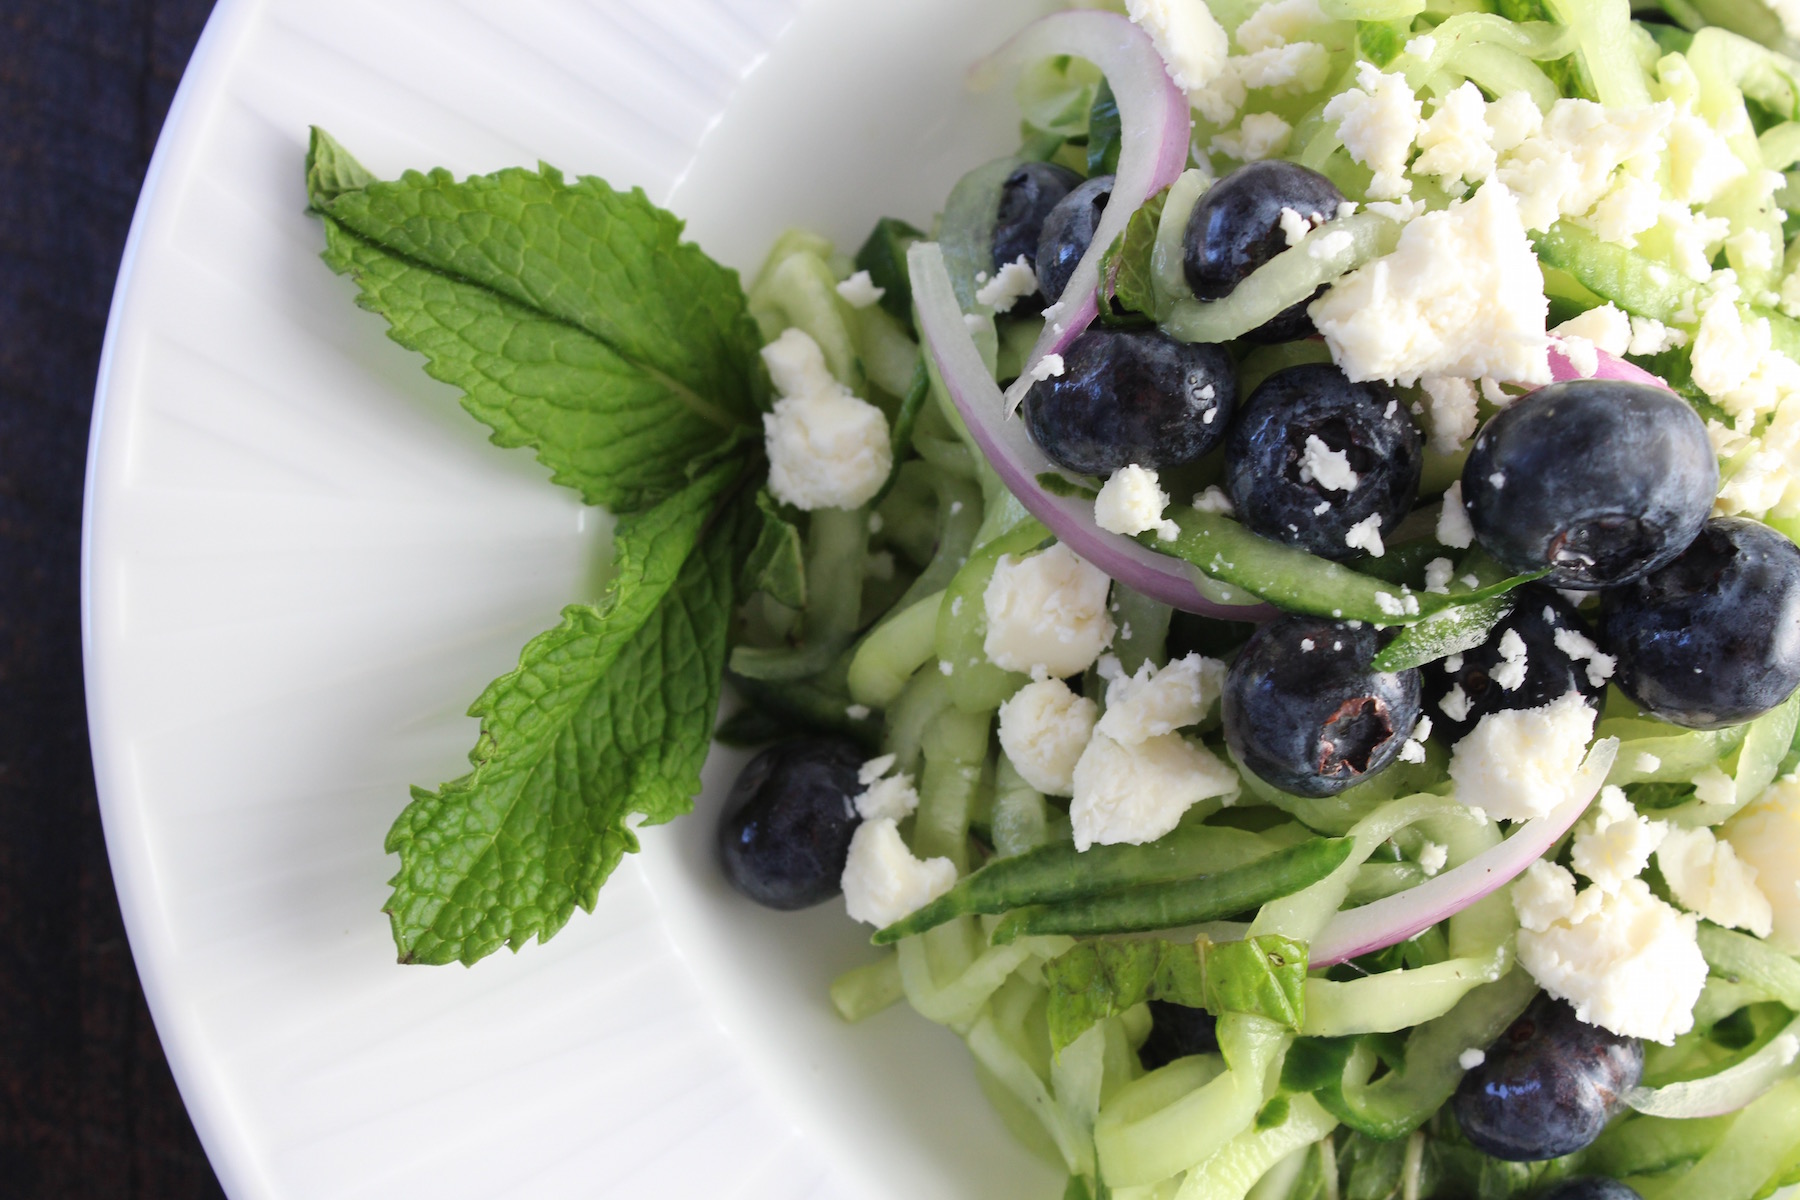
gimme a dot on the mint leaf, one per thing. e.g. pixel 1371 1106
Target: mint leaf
pixel 1263 975
pixel 572 317
pixel 1445 632
pixel 1131 280
pixel 608 714
pixel 777 563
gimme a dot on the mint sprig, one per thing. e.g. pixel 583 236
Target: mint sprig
pixel 576 323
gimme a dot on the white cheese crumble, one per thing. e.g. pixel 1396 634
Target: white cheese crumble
pixel 1518 763
pixel 1581 648
pixel 1453 412
pixel 1278 23
pixel 1460 295
pixel 1650 336
pixel 1046 610
pixel 1512 119
pixel 1455 142
pixel 1625 960
pixel 1331 245
pixel 857 712
pixel 1453 528
pixel 1788 13
pixel 1706 876
pixel 1437 575
pixel 1130 503
pixel 1366 535
pixel 1633 205
pixel 1294 226
pixel 1471 1058
pixel 1330 468
pixel 1582 354
pixel 1766 836
pixel 1258 136
pixel 1568 164
pixel 1010 284
pixel 883 881
pixel 1433 856
pixel 1613 843
pixel 884 795
pixel 1510 671
pixel 1699 161
pixel 1295 67
pixel 1214 500
pixel 1713 786
pixel 1377 122
pixel 826 447
pixel 1606 327
pixel 1192 44
pixel 1456 704
pixel 1138 793
pixel 1154 702
pixel 859 291
pixel 1646 763
pixel 1047 367
pixel 1044 727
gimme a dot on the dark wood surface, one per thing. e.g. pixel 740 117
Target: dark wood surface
pixel 87 1105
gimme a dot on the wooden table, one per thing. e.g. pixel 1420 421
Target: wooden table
pixel 87 1106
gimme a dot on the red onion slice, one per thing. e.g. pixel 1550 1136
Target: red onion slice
pixel 1385 922
pixel 1611 367
pixel 1155 127
pixel 1018 461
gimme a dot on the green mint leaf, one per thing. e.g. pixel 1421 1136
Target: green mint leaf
pixel 1264 976
pixel 608 714
pixel 777 563
pixel 1445 632
pixel 1058 484
pixel 883 256
pixel 572 317
pixel 1127 268
pixel 1104 132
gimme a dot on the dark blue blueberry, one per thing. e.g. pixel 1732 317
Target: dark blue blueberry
pixel 786 828
pixel 1714 637
pixel 1236 228
pixel 1549 671
pixel 1132 396
pixel 1267 456
pixel 1026 198
pixel 1177 1031
pixel 1305 711
pixel 1548 1086
pixel 1068 232
pixel 1591 1189
pixel 1600 481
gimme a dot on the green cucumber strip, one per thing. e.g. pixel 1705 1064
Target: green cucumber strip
pixel 1300 582
pixel 1444 633
pixel 1631 281
pixel 836 546
pixel 1052 874
pixel 896 648
pixel 864 991
pixel 1766 743
pixel 883 256
pixel 1751 1155
pixel 1235 1169
pixel 1183 902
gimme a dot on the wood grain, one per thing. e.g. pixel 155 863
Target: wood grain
pixel 87 1105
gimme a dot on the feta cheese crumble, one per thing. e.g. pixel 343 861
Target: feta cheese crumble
pixel 1455 142
pixel 859 291
pixel 1366 535
pixel 1606 327
pixel 1191 42
pixel 1766 837
pixel 1278 23
pixel 1294 226
pixel 1047 367
pixel 1258 136
pixel 1130 503
pixel 1010 284
pixel 1581 648
pixel 883 881
pixel 1510 671
pixel 1044 727
pixel 1214 500
pixel 1453 412
pixel 826 447
pixel 1706 876
pixel 884 795
pixel 1330 468
pixel 1623 959
pixel 1437 576
pixel 1614 843
pixel 1460 295
pixel 1471 1058
pixel 1377 122
pixel 1154 702
pixel 1046 610
pixel 1517 764
pixel 1432 857
pixel 1138 793
pixel 1453 528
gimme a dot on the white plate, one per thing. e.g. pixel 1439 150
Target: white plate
pixel 303 560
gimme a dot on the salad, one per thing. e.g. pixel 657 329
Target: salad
pixel 1277 606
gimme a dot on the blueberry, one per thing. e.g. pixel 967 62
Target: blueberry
pixel 786 828
pixel 1549 675
pixel 1177 1031
pixel 1305 711
pixel 1068 232
pixel 1132 396
pixel 1548 1086
pixel 1591 1189
pixel 1236 228
pixel 1026 198
pixel 1598 480
pixel 1313 416
pixel 1714 637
